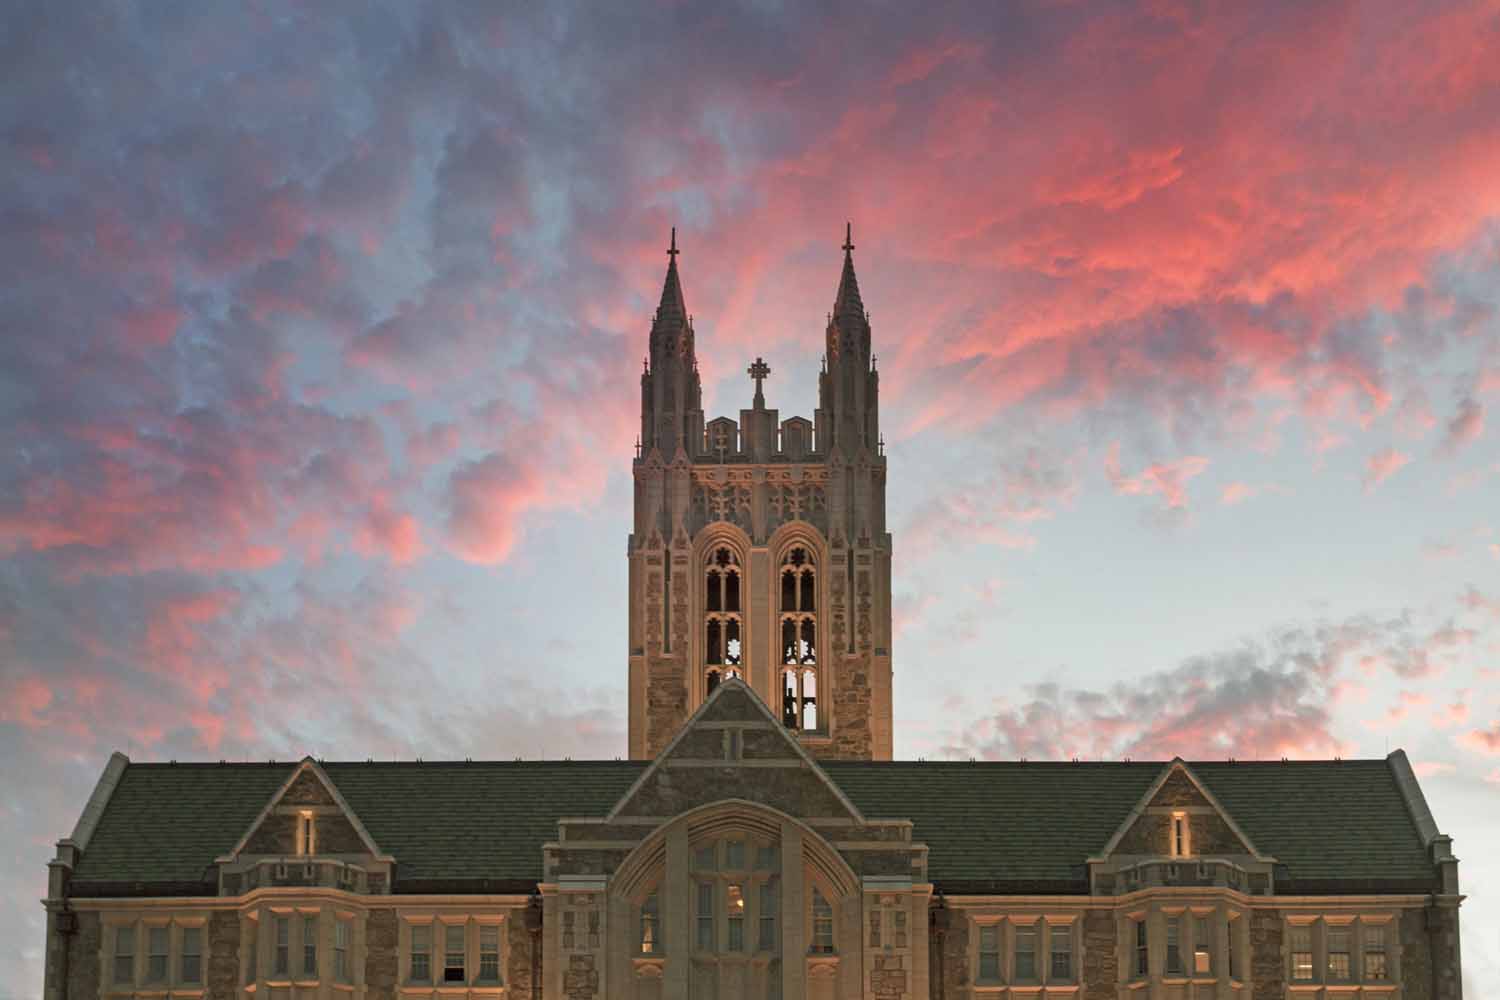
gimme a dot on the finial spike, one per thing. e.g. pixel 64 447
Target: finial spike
pixel 672 251
pixel 848 237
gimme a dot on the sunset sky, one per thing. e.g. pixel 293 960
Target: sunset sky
pixel 320 334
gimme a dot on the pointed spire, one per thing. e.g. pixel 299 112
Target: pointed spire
pixel 847 304
pixel 672 307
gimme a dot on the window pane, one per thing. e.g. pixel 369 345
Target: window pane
pixel 768 907
pixel 1025 952
pixel 489 952
pixel 989 952
pixel 711 589
pixel 1142 951
pixel 1302 957
pixel 734 855
pixel 731 592
pixel 593 920
pixel 421 952
pixel 156 955
pixel 1339 952
pixel 341 931
pixel 125 954
pixel 192 954
pixel 1174 946
pixel 874 928
pixel 705 916
pixel 1062 952
pixel 453 953
pixel 898 926
pixel 283 930
pixel 822 924
pixel 1375 951
pixel 650 930
pixel 309 946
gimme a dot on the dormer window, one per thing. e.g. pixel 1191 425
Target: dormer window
pixel 307 833
pixel 1181 841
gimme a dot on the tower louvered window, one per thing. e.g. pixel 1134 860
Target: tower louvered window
pixel 723 621
pixel 799 641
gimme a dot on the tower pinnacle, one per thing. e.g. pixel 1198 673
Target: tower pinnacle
pixel 847 305
pixel 673 306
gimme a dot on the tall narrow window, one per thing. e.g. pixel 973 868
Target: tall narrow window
pixel 341 929
pixel 989 953
pixel 421 953
pixel 1375 967
pixel 722 619
pixel 125 954
pixel 1062 953
pixel 1025 953
pixel 309 945
pixel 192 955
pixel 569 930
pixel 1339 962
pixel 875 935
pixel 768 915
pixel 799 641
pixel 1174 946
pixel 1229 959
pixel 650 926
pixel 705 916
pixel 489 953
pixel 1142 951
pixel 307 834
pixel 156 954
pixel 593 920
pixel 1203 960
pixel 898 928
pixel 734 898
pixel 453 953
pixel 252 952
pixel 282 960
pixel 822 914
pixel 1180 846
pixel 1302 953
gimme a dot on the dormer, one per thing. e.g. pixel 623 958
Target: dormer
pixel 722 439
pixel 796 438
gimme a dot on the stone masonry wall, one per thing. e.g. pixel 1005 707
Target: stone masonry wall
pixel 1101 960
pixel 278 835
pixel 666 703
pixel 83 956
pixel 1416 957
pixel 222 977
pixel 1267 962
pixel 381 958
pixel 580 978
pixel 518 964
pixel 955 958
pixel 850 728
pixel 889 977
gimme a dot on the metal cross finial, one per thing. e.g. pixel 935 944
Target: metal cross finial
pixel 848 237
pixel 672 251
pixel 759 370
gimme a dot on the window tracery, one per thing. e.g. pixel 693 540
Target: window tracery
pixel 723 621
pixel 799 641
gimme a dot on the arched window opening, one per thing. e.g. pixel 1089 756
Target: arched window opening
pixel 734 893
pixel 650 927
pixel 722 644
pixel 799 641
pixel 822 924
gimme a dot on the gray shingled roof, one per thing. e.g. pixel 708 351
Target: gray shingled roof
pixel 989 826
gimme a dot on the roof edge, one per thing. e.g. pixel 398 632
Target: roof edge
pixel 93 810
pixel 1411 794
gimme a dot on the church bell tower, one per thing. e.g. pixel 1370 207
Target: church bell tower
pixel 759 547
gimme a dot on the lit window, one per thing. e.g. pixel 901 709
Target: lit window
pixel 1142 952
pixel 650 926
pixel 125 954
pixel 1062 953
pixel 341 929
pixel 1174 946
pixel 421 953
pixel 1181 848
pixel 989 953
pixel 282 963
pixel 156 955
pixel 489 952
pixel 453 953
pixel 192 955
pixel 1302 953
pixel 799 642
pixel 734 898
pixel 768 915
pixel 1025 953
pixel 1375 967
pixel 309 945
pixel 705 916
pixel 822 914
pixel 1339 963
pixel 307 834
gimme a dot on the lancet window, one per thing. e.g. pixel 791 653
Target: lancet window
pixel 723 618
pixel 799 641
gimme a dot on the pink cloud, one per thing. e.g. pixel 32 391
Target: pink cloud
pixel 390 533
pixel 1382 465
pixel 1432 768
pixel 1483 740
pixel 486 500
pixel 1167 479
pixel 1465 427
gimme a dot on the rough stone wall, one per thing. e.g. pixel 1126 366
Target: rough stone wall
pixel 382 960
pixel 1101 959
pixel 850 724
pixel 1442 923
pixel 1147 835
pixel 1267 962
pixel 83 956
pixel 278 835
pixel 1211 835
pixel 222 977
pixel 675 790
pixel 954 959
pixel 1416 957
pixel 307 790
pixel 889 977
pixel 666 703
pixel 518 963
pixel 1178 790
pixel 581 978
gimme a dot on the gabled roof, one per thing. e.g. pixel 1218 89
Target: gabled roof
pixel 990 827
pixel 1178 766
pixel 311 768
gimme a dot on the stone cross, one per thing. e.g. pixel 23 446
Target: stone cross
pixel 759 370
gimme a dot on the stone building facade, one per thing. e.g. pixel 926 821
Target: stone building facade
pixel 760 844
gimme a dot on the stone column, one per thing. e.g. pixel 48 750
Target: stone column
pixel 1222 944
pixel 677 915
pixel 793 909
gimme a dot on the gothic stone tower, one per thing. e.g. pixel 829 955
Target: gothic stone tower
pixel 759 548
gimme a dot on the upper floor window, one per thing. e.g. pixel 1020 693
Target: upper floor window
pixel 341 931
pixel 734 901
pixel 155 954
pixel 307 833
pixel 1062 953
pixel 125 954
pixel 799 641
pixel 1174 946
pixel 192 955
pixel 989 953
pixel 489 953
pixel 459 949
pixel 1181 834
pixel 419 969
pixel 1142 949
pixel 723 622
pixel 1302 953
pixel 650 926
pixel 157 958
pixel 1026 953
pixel 1375 966
pixel 310 945
pixel 888 924
pixel 454 966
pixel 822 923
pixel 1340 965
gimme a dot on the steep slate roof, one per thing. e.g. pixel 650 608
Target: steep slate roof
pixel 990 827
